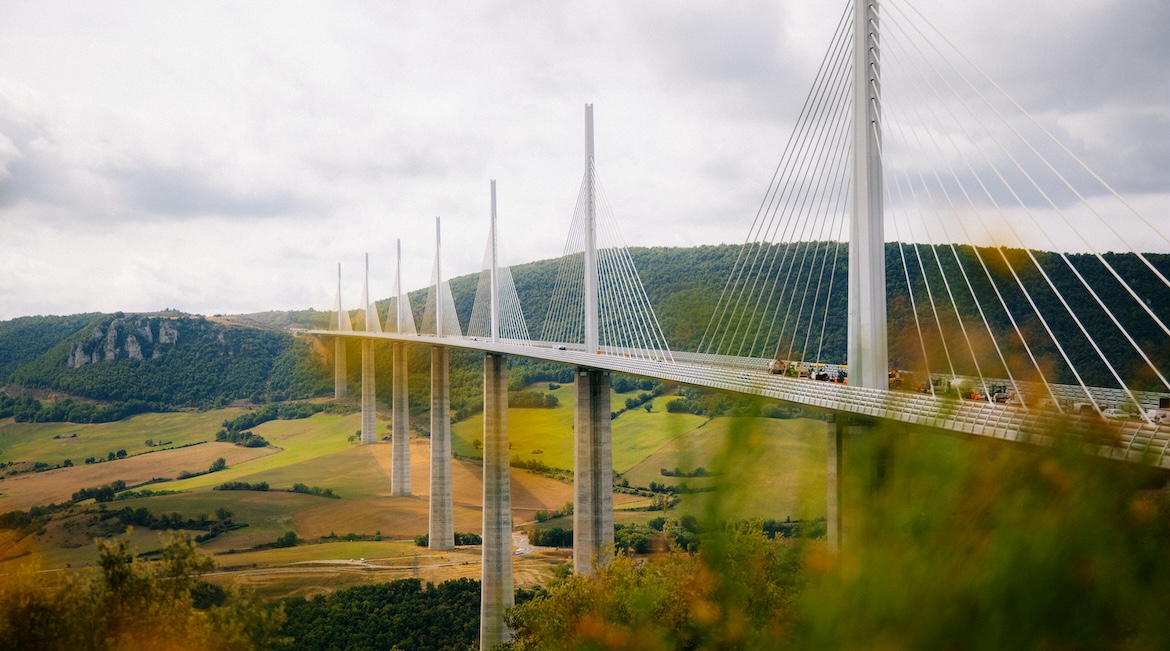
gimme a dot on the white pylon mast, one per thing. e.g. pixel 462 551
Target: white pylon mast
pixel 591 339
pixel 366 297
pixel 867 348
pixel 438 282
pixel 495 286
pixel 398 289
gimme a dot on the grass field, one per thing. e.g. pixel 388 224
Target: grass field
pixel 298 440
pixel 769 468
pixel 529 430
pixel 55 486
pixel 635 433
pixel 53 443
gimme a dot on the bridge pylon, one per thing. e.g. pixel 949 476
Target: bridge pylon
pixel 867 348
pixel 400 425
pixel 340 382
pixel 441 531
pixel 369 396
pixel 496 595
pixel 592 438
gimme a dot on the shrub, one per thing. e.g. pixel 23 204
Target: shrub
pixel 314 490
pixel 242 486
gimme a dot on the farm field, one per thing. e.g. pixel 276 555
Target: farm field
pixel 779 470
pixel 636 433
pixel 768 468
pixel 53 443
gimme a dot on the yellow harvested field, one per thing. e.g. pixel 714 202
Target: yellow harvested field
pixel 406 517
pixel 55 486
pixel 344 570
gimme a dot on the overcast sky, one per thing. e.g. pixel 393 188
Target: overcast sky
pixel 224 157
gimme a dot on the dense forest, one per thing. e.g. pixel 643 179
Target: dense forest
pixel 26 338
pixel 401 614
pixel 169 361
pixel 172 360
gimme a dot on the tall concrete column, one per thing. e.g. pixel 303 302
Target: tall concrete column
pixel 867 350
pixel 496 596
pixel 369 402
pixel 442 517
pixel 340 384
pixel 592 472
pixel 833 493
pixel 400 471
pixel 592 337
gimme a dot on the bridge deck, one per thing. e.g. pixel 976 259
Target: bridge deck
pixel 1131 440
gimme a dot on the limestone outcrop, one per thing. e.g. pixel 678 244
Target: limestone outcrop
pixel 122 337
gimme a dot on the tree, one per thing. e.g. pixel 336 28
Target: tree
pixel 740 595
pixel 223 514
pixel 218 465
pixel 131 604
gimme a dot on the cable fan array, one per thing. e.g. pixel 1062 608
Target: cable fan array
pixel 1012 308
pixel 448 318
pixel 786 297
pixel 627 325
pixel 510 323
pixel 339 320
pixel 399 303
pixel 371 322
pixel 999 285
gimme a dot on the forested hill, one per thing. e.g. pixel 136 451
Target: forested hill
pixel 24 339
pixel 176 360
pixel 166 359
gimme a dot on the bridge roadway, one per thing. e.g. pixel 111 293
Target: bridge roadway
pixel 1133 440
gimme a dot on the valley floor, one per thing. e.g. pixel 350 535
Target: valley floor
pixel 764 468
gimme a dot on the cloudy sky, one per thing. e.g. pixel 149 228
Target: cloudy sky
pixel 224 157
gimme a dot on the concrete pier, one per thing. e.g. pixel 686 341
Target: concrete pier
pixel 833 477
pixel 340 386
pixel 369 401
pixel 442 514
pixel 592 472
pixel 400 471
pixel 497 595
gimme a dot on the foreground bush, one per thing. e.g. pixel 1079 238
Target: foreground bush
pixel 948 544
pixel 132 604
pixel 740 592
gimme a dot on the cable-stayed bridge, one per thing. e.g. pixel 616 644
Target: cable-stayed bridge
pixel 926 253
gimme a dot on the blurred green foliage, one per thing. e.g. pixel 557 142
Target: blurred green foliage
pixel 948 543
pixel 132 604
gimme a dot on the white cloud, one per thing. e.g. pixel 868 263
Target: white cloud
pixel 222 157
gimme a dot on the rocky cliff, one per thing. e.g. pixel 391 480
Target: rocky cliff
pixel 135 337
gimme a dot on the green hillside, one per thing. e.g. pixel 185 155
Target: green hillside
pixel 24 339
pixel 170 360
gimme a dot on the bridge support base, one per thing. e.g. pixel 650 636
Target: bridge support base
pixel 340 387
pixel 400 470
pixel 833 495
pixel 592 472
pixel 496 596
pixel 441 534
pixel 369 401
pixel 858 463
